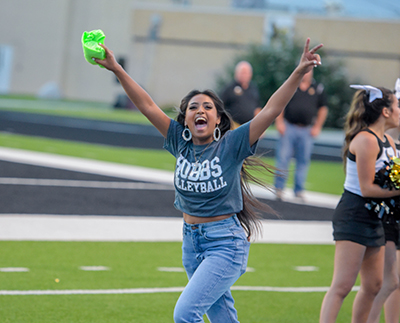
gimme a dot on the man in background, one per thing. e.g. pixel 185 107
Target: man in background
pixel 298 125
pixel 241 97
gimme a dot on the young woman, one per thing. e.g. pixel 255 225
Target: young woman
pixel 389 295
pixel 392 304
pixel 358 232
pixel 208 186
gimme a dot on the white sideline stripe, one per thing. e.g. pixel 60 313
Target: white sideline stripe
pixel 80 183
pixel 86 165
pixel 160 290
pixel 39 227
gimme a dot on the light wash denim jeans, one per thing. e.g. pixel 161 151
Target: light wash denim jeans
pixel 214 255
pixel 297 142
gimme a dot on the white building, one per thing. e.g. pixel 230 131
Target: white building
pixel 192 41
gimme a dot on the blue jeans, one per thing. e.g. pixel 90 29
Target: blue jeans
pixel 296 142
pixel 214 255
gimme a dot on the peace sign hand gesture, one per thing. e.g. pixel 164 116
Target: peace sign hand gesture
pixel 309 59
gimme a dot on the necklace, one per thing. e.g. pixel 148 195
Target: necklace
pixel 194 154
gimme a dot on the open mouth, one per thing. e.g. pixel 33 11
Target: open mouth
pixel 200 123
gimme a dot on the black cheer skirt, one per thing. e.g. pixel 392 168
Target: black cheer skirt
pixel 353 222
pixel 391 228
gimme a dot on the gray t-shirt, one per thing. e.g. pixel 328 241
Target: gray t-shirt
pixel 210 186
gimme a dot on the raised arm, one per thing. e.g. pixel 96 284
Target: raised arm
pixel 278 101
pixel 136 93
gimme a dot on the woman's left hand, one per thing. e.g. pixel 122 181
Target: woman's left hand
pixel 109 62
pixel 309 59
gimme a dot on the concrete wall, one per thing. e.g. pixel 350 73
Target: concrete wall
pixel 46 38
pixel 193 44
pixel 369 48
pixel 191 48
pixel 36 30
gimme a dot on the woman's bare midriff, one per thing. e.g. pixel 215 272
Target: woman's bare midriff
pixel 190 219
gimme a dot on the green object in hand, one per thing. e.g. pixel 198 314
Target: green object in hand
pixel 91 47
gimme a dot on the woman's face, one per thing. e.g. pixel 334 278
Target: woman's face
pixel 395 113
pixel 201 119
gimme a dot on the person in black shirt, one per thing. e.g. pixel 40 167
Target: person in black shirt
pixel 298 125
pixel 241 97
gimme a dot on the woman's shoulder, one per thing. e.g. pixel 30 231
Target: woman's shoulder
pixel 365 135
pixel 363 140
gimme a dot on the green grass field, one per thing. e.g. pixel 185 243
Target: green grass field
pixel 56 265
pixel 135 265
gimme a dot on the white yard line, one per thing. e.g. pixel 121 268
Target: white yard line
pixel 160 290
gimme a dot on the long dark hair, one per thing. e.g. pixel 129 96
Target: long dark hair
pixel 249 216
pixel 363 113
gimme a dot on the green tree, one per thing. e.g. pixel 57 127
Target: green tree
pixel 272 65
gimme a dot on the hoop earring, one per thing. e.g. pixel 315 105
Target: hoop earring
pixel 217 133
pixel 186 134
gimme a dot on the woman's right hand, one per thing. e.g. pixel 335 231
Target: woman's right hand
pixel 280 124
pixel 109 62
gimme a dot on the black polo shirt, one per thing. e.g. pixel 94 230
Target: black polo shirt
pixel 239 102
pixel 302 109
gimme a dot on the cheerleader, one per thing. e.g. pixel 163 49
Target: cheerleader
pixel 358 232
pixel 389 295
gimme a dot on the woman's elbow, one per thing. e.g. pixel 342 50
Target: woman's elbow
pixel 368 191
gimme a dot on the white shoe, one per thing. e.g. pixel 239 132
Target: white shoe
pixel 278 194
pixel 300 196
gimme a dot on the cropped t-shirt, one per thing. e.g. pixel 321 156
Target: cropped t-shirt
pixel 352 183
pixel 209 184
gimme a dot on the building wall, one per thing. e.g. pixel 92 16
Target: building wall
pixel 36 32
pixel 193 44
pixel 191 48
pixel 368 48
pixel 46 39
